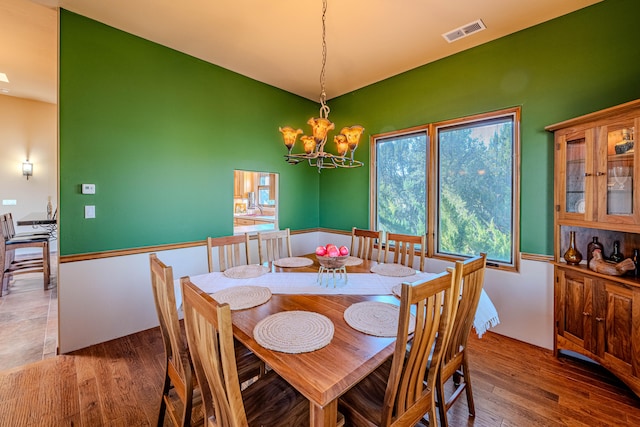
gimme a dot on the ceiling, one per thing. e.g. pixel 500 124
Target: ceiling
pixel 278 42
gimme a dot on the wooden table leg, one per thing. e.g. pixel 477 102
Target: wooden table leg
pixel 324 417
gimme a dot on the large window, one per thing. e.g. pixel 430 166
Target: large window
pixel 470 168
pixel 401 177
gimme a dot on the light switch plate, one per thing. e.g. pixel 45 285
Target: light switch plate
pixel 88 189
pixel 89 211
pixel 9 202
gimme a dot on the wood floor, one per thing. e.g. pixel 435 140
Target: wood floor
pixel 118 384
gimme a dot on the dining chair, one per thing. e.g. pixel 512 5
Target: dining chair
pixel 404 247
pixel 232 251
pixel 273 245
pixel 178 368
pixel 11 266
pixel 269 401
pixel 363 243
pixel 401 392
pixel 455 362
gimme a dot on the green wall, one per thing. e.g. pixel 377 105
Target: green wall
pixel 159 133
pixel 573 65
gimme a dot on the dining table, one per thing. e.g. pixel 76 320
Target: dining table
pixel 324 374
pixel 40 219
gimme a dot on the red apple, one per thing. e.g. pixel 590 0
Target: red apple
pixel 329 246
pixel 321 251
pixel 333 252
pixel 344 250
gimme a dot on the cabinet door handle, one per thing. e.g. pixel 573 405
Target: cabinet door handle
pixel 584 313
pixel 587 174
pixel 599 319
pixel 600 173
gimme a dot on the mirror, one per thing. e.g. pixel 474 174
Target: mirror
pixel 255 201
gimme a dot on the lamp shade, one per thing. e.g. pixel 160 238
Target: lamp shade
pixel 27 169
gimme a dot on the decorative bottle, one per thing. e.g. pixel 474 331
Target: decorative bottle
pixel 636 261
pixel 572 255
pixel 592 246
pixel 616 256
pixel 49 208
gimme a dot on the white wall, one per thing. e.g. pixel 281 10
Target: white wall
pixel 108 298
pixel 28 129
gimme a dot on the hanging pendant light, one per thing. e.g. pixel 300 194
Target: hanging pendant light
pixel 313 146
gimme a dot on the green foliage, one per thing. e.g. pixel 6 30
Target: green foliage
pixel 402 187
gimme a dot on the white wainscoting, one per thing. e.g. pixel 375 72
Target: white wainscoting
pixel 108 298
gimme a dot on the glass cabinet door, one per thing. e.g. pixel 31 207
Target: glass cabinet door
pixel 575 167
pixel 620 171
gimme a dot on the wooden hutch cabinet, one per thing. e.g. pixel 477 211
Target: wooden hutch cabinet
pixel 596 195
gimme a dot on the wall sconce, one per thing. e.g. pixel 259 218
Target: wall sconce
pixel 27 169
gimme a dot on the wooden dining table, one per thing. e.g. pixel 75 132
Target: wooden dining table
pixel 323 375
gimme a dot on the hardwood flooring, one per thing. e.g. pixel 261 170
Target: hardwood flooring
pixel 117 383
pixel 29 319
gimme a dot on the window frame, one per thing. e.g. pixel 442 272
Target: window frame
pixel 432 159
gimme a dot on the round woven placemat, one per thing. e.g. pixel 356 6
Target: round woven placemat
pixel 294 331
pixel 375 318
pixel 353 260
pixel 241 297
pixel 394 270
pixel 245 271
pixel 293 262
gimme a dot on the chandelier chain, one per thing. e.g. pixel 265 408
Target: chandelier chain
pixel 324 108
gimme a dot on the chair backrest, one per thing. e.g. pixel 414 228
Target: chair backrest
pixel 472 281
pixel 232 251
pixel 404 248
pixel 175 347
pixel 273 245
pixel 410 391
pixel 210 337
pixel 363 243
pixel 6 226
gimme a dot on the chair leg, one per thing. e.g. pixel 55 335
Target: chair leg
pixel 163 404
pixel 469 392
pixel 46 266
pixel 441 402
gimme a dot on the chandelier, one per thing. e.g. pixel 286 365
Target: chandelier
pixel 313 146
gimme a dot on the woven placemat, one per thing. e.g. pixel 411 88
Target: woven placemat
pixel 246 271
pixel 294 331
pixel 353 260
pixel 394 270
pixel 294 261
pixel 241 297
pixel 375 318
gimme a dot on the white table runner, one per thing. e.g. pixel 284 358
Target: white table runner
pixel 357 284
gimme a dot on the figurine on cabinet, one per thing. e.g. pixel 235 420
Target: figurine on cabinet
pixel 599 265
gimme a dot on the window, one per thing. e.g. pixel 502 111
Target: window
pixel 401 183
pixel 473 176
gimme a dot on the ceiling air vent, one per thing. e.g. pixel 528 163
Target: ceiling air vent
pixel 464 31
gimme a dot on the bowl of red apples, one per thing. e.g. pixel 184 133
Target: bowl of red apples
pixel 331 256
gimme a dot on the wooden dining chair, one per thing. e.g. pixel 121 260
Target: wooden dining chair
pixel 12 231
pixel 232 251
pixel 455 362
pixel 273 245
pixel 269 401
pixel 404 247
pixel 401 392
pixel 11 266
pixel 178 369
pixel 363 243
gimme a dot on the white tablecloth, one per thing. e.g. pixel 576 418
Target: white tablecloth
pixel 357 284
